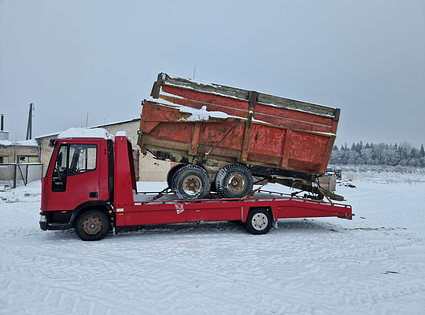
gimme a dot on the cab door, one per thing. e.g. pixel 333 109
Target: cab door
pixel 75 177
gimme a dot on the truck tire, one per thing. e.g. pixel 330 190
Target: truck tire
pixel 234 181
pixel 92 225
pixel 191 182
pixel 259 221
pixel 171 173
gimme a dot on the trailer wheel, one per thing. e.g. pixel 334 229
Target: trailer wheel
pixel 92 225
pixel 259 221
pixel 171 173
pixel 234 181
pixel 191 182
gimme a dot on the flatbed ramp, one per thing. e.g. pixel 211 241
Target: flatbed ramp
pixel 145 209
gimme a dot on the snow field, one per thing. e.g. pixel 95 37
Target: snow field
pixel 374 264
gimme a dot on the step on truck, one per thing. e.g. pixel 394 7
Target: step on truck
pixel 226 140
pixel 90 186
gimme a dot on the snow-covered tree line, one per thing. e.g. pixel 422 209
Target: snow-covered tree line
pixel 403 154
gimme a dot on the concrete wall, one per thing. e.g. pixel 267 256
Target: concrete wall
pixel 14 175
pixel 149 168
pixel 15 152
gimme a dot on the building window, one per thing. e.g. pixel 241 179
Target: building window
pixel 27 159
pixel 4 159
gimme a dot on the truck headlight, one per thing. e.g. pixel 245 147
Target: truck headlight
pixel 43 218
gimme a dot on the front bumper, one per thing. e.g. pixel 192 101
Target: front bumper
pixel 43 221
pixel 46 225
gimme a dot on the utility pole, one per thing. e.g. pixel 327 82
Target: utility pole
pixel 29 126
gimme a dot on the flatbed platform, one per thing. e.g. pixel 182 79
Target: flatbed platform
pixel 148 209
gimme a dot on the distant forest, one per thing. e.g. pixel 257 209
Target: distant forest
pixel 403 154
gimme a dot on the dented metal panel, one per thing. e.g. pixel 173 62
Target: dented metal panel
pixel 194 122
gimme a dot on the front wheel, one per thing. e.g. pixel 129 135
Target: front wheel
pixel 259 221
pixel 92 225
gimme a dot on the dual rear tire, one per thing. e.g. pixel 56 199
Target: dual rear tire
pixel 234 181
pixel 193 182
pixel 190 182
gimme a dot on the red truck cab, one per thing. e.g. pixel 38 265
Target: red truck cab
pixel 79 177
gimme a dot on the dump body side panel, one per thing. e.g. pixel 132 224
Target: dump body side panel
pixel 218 122
pixel 169 133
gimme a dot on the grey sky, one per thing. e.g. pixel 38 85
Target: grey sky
pixel 101 57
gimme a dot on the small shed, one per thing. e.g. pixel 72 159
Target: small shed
pixel 19 163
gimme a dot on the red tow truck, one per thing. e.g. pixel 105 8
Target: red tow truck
pixel 90 185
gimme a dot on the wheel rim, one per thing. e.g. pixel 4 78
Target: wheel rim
pixel 236 183
pixel 92 225
pixel 192 185
pixel 259 221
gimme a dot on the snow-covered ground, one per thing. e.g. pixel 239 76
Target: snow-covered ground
pixel 374 264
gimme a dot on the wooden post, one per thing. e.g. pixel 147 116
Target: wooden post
pixel 253 96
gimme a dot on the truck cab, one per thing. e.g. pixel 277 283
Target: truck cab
pixel 79 178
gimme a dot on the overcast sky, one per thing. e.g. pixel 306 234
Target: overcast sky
pixel 100 57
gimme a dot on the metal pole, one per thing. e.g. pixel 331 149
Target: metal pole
pixel 15 179
pixel 29 127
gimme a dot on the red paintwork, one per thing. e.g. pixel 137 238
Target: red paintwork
pixel 234 107
pixel 290 135
pixel 128 212
pixel 78 187
pixel 162 128
pixel 124 179
pixel 165 212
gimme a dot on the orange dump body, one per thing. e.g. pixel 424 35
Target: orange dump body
pixel 193 122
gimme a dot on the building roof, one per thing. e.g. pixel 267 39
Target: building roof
pixel 92 127
pixel 25 143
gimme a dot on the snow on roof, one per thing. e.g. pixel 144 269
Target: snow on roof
pixel 85 133
pixel 24 143
pixel 92 127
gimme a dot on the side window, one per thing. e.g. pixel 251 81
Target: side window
pixel 59 171
pixel 82 158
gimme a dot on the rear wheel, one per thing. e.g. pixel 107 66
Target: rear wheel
pixel 92 225
pixel 234 181
pixel 171 173
pixel 259 221
pixel 191 182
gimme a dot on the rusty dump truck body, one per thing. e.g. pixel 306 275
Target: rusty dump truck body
pixel 213 125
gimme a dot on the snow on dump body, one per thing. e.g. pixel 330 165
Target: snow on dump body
pixel 243 104
pixel 241 94
pixel 203 114
pixel 86 133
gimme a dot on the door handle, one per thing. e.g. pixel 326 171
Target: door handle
pixel 94 194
